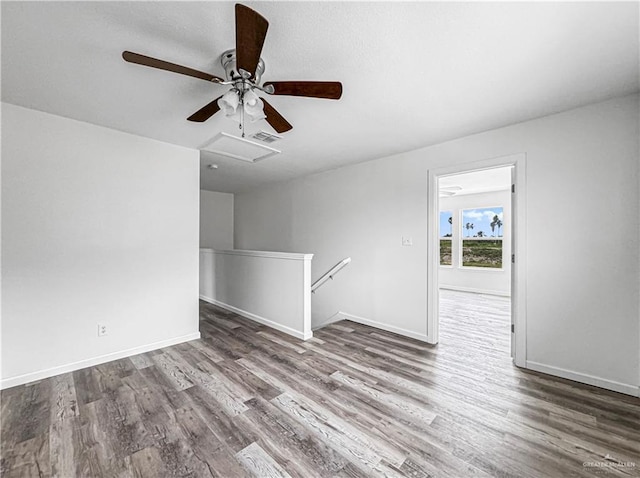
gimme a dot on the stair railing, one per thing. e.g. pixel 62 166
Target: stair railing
pixel 329 275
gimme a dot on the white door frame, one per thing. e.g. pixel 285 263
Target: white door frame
pixel 518 232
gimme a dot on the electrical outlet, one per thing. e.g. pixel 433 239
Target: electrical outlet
pixel 407 241
pixel 102 330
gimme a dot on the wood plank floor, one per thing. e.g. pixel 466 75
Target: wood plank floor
pixel 352 402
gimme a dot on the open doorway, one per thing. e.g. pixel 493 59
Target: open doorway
pixel 474 280
pixel 475 255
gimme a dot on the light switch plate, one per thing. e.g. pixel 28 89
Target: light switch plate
pixel 407 241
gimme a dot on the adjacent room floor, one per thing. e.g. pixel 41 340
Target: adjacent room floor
pixel 353 401
pixel 475 323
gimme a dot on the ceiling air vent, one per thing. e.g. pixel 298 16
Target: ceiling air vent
pixel 266 137
pixel 238 148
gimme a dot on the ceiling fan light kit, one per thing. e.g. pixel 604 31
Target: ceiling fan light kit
pixel 244 68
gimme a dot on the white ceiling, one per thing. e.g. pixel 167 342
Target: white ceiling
pixel 414 74
pixel 486 180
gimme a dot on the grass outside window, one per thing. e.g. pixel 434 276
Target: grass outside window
pixel 481 253
pixel 445 252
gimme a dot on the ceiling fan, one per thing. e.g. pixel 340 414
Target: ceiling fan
pixel 243 70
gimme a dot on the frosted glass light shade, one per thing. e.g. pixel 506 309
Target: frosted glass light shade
pixel 229 102
pixel 253 106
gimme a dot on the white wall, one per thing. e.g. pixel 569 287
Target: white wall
pixel 273 288
pixel 351 212
pixel 582 235
pixel 98 226
pixel 216 220
pixel 475 279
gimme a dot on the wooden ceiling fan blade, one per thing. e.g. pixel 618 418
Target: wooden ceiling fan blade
pixel 206 112
pixel 165 65
pixel 251 31
pixel 331 90
pixel 275 119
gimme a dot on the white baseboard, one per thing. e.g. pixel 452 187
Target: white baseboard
pixel 380 325
pixel 585 378
pixel 475 291
pixel 257 318
pixel 71 367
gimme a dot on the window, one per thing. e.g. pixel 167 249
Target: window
pixel 482 230
pixel 446 232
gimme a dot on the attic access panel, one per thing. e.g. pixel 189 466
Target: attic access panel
pixel 235 147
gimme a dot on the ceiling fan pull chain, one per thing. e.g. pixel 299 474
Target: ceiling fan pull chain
pixel 242 114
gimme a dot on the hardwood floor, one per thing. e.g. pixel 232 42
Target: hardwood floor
pixel 352 402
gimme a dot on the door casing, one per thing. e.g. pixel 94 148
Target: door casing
pixel 518 238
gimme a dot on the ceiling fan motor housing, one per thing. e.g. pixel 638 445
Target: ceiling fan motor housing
pixel 233 73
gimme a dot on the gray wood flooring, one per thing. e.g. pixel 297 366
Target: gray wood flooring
pixel 352 402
